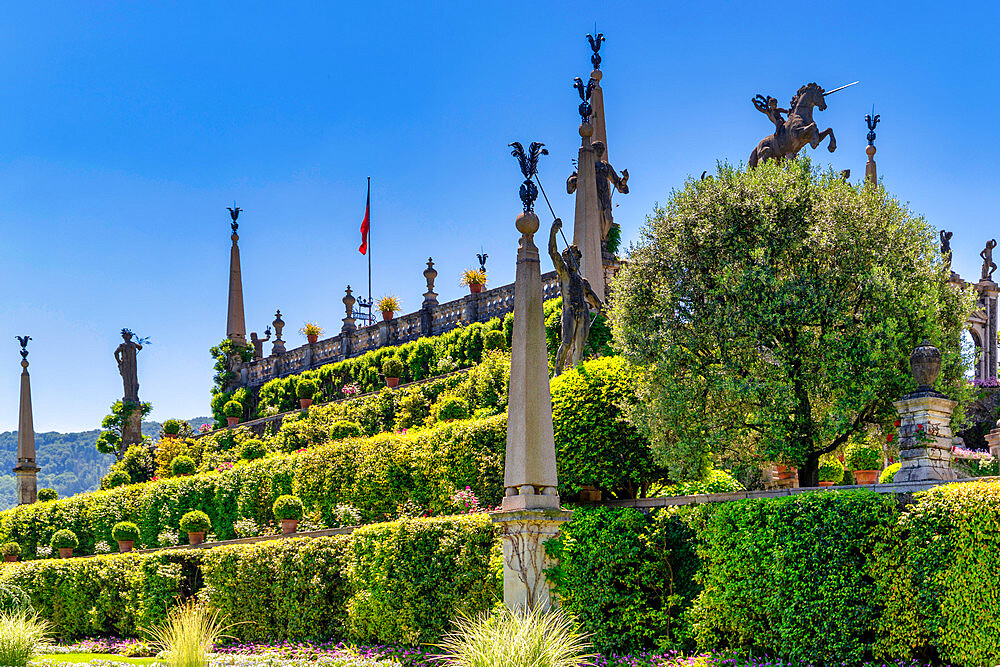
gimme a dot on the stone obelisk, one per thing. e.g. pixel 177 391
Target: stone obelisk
pixel 26 469
pixel 870 175
pixel 597 94
pixel 236 328
pixel 529 514
pixel 587 221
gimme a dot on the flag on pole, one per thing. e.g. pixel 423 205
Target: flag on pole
pixel 365 223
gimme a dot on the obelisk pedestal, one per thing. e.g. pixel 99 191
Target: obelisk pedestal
pixel 26 469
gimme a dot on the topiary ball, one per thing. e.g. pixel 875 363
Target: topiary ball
pixel 494 340
pixel 11 549
pixel 453 407
pixel 831 470
pixel 306 388
pixel 392 368
pixel 888 475
pixel 115 477
pixel 125 531
pixel 287 508
pixel 344 429
pixel 65 539
pixel 232 409
pixel 183 465
pixel 45 495
pixel 253 449
pixel 195 521
pixel 172 427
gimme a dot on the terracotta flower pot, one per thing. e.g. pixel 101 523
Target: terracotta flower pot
pixel 865 476
pixel 783 472
pixel 386 315
pixel 66 553
pixel 196 538
pixel 10 559
pixel 289 526
pixel 305 402
pixel 826 483
pixel 312 338
pixel 169 436
pixel 392 382
pixel 475 288
pixel 124 546
pixel 232 421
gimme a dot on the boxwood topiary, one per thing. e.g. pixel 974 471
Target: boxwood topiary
pixel 831 470
pixel 125 531
pixel 172 427
pixel 287 507
pixel 863 456
pixel 65 539
pixel 115 477
pixel 195 521
pixel 232 409
pixel 889 474
pixel 183 465
pixel 494 340
pixel 392 368
pixel 453 407
pixel 306 388
pixel 344 429
pixel 253 449
pixel 11 549
pixel 45 495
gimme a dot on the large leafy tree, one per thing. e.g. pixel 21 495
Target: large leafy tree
pixel 774 311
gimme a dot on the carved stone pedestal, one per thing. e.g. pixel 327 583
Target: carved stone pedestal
pixel 524 561
pixel 132 429
pixel 925 437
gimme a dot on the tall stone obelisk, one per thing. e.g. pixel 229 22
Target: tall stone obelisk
pixel 870 174
pixel 236 328
pixel 529 513
pixel 597 94
pixel 26 469
pixel 587 221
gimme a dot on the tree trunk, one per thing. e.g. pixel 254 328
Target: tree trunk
pixel 809 471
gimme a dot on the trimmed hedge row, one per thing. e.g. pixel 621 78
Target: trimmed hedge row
pixel 399 582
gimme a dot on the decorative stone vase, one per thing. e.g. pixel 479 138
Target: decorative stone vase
pixel 386 315
pixel 925 364
pixel 10 559
pixel 826 483
pixel 865 476
pixel 124 546
pixel 66 553
pixel 475 288
pixel 312 338
pixel 232 421
pixel 196 538
pixel 392 383
pixel 305 402
pixel 289 526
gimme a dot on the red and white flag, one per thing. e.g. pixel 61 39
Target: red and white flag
pixel 366 222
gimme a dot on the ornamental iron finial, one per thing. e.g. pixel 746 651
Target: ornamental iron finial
pixel 584 91
pixel 595 44
pixel 872 120
pixel 234 213
pixel 529 167
pixel 482 261
pixel 23 340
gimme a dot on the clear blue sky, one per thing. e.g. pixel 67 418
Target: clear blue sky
pixel 129 127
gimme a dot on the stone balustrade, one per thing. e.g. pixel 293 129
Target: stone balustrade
pixel 432 320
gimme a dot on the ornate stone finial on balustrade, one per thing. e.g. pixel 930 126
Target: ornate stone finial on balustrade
pixel 349 301
pixel 278 346
pixel 871 120
pixel 430 273
pixel 26 468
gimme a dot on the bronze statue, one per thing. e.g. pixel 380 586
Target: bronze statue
pixel 258 343
pixel 606 177
pixel 791 134
pixel 576 294
pixel 989 266
pixel 946 248
pixel 125 355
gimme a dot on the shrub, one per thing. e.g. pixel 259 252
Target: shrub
pixel 494 340
pixel 863 456
pixel 45 495
pixel 392 368
pixel 889 474
pixel 13 599
pixel 232 409
pixel 195 521
pixel 306 388
pixel 253 449
pixel 831 470
pixel 125 531
pixel 182 465
pixel 64 539
pixel 287 507
pixel 452 407
pixel 716 481
pixel 115 477
pixel 412 409
pixel 344 429
pixel 11 549
pixel 22 636
pixel 172 427
pixel 188 634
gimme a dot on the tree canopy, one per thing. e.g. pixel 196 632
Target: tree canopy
pixel 774 311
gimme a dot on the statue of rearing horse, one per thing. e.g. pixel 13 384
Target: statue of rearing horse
pixel 799 129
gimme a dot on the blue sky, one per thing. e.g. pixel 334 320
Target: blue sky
pixel 129 127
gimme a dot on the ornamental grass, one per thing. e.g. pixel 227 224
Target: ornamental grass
pixel 188 635
pixel 23 635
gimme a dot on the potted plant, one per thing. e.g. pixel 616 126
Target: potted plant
pixel 305 390
pixel 784 472
pixel 195 523
pixel 392 369
pixel 311 331
pixel 388 305
pixel 11 552
pixel 288 510
pixel 232 410
pixel 182 465
pixel 474 279
pixel 126 534
pixel 171 428
pixel 831 471
pixel 65 541
pixel 865 460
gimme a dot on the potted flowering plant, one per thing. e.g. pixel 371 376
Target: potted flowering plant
pixel 288 510
pixel 831 471
pixel 65 541
pixel 311 331
pixel 233 410
pixel 11 552
pixel 388 305
pixel 865 460
pixel 126 534
pixel 171 428
pixel 305 390
pixel 474 279
pixel 195 523
pixel 392 369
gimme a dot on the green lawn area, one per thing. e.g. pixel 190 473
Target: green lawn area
pixel 78 658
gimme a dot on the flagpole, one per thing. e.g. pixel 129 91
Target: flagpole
pixel 371 319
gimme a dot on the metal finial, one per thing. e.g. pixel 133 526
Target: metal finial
pixel 584 91
pixel 23 340
pixel 872 120
pixel 529 167
pixel 482 261
pixel 234 213
pixel 595 44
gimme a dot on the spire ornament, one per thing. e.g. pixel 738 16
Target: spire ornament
pixel 595 44
pixel 23 340
pixel 585 91
pixel 234 213
pixel 529 167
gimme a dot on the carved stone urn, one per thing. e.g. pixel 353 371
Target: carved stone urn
pixel 925 364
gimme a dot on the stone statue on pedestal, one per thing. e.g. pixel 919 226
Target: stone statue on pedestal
pixel 791 134
pixel 258 343
pixel 576 295
pixel 989 266
pixel 125 355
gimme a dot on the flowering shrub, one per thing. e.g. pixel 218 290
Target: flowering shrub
pixel 465 500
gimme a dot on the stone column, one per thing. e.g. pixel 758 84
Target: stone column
pixel 988 292
pixel 587 221
pixel 236 328
pixel 132 428
pixel 430 300
pixel 26 469
pixel 529 514
pixel 925 437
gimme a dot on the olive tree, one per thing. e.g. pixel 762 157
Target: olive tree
pixel 774 311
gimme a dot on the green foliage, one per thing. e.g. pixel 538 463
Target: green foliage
pixel 64 539
pixel 627 577
pixel 137 465
pixel 188 634
pixel 182 465
pixel 13 599
pixel 195 521
pixel 45 495
pixel 494 340
pixel 596 446
pixel 115 477
pixel 253 449
pixel 172 426
pixel 241 396
pixel 831 470
pixel 306 388
pixel 10 549
pixel 22 636
pixel 809 553
pixel 125 531
pixel 452 407
pixel 862 455
pixel 716 481
pixel 889 474
pixel 109 441
pixel 344 429
pixel 232 409
pixel 392 368
pixel 287 507
pixel 614 238
pixel 735 304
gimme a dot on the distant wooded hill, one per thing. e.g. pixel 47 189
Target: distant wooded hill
pixel 70 462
